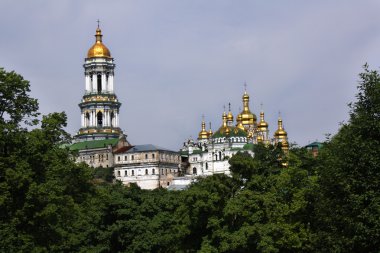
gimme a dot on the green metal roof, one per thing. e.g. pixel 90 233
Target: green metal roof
pixel 94 144
pixel 234 132
pixel 314 144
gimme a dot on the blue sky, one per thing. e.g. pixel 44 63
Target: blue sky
pixel 176 60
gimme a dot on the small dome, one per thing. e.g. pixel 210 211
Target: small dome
pixel 98 49
pixel 280 133
pixel 263 125
pixel 230 117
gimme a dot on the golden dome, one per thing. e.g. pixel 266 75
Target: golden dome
pixel 247 117
pixel 98 49
pixel 203 134
pixel 280 133
pixel 239 124
pixel 210 131
pixel 263 125
pixel 230 117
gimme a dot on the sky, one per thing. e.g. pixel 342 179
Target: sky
pixel 177 60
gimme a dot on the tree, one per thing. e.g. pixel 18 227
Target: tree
pixel 348 207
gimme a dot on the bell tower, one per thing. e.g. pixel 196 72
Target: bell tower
pixel 99 106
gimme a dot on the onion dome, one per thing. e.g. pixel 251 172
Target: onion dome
pixel 210 131
pixel 230 117
pixel 239 124
pixel 281 136
pixel 98 49
pixel 247 117
pixel 263 125
pixel 280 133
pixel 203 134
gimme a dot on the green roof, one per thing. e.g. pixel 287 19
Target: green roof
pixel 234 132
pixel 314 144
pixel 94 144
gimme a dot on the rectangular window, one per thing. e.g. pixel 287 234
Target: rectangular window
pixel 146 156
pixel 133 157
pixel 125 158
pixel 153 171
pixel 118 158
pixel 153 156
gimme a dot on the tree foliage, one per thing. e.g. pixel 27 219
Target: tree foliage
pixel 49 203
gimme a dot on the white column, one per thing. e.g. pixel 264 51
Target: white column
pixel 92 118
pixel 117 119
pixel 95 119
pixel 110 83
pixel 89 120
pixel 88 88
pixel 104 88
pixel 94 83
pixel 82 120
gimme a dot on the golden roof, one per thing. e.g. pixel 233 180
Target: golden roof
pixel 239 124
pixel 203 134
pixel 280 133
pixel 98 49
pixel 263 125
pixel 210 131
pixel 247 117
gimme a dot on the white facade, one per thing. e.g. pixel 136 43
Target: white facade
pixel 148 166
pixel 211 157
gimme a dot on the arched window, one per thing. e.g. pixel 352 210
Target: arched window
pixel 220 155
pixel 153 171
pixel 146 156
pixel 206 166
pixel 100 119
pixel 146 171
pixel 99 77
pixel 133 172
pixel 153 156
pixel 194 171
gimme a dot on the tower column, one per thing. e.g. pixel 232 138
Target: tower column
pixel 94 82
pixel 106 117
pixel 82 120
pixel 110 83
pixel 88 88
pixel 104 88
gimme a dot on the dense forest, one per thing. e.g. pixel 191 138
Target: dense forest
pixel 330 203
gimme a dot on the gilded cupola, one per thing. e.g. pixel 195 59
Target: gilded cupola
pixel 98 49
pixel 281 136
pixel 239 124
pixel 262 125
pixel 203 134
pixel 280 133
pixel 210 131
pixel 247 117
